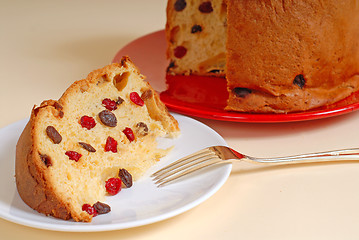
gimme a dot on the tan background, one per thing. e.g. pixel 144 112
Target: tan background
pixel 46 45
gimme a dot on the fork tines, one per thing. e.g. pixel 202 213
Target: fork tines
pixel 184 166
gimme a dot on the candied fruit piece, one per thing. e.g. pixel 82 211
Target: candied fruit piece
pixel 111 145
pixel 89 209
pixel 73 155
pixel 109 104
pixel 180 52
pixel 129 134
pixel 136 99
pixel 87 122
pixel 113 186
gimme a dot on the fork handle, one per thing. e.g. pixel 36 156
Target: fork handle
pixel 351 154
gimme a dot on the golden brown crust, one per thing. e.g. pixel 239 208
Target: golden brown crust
pixel 158 111
pixel 31 180
pixel 269 44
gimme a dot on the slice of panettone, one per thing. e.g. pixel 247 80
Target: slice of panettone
pixel 72 148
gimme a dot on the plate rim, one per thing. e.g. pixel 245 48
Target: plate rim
pixel 266 118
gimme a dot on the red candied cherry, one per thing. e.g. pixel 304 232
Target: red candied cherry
pixel 111 145
pixel 136 99
pixel 129 134
pixel 87 122
pixel 109 104
pixel 180 52
pixel 73 155
pixel 113 186
pixel 89 209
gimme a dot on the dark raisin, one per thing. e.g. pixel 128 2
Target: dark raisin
pixel 142 128
pixel 108 118
pixel 53 134
pixel 180 5
pixel 241 92
pixel 102 208
pixel 58 106
pixel 119 101
pixel 46 160
pixel 299 81
pixel 171 65
pixel 87 146
pixel 205 7
pixel 196 28
pixel 126 177
pixel 61 114
pixel 180 52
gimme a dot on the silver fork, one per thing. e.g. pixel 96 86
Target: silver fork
pixel 222 154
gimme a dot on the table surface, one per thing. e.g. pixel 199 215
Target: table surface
pixel 47 45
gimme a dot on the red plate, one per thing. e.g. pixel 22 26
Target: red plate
pixel 206 96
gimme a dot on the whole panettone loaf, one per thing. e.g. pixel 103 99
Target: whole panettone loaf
pixel 281 56
pixel 103 126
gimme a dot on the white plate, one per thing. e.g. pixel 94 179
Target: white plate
pixel 142 204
